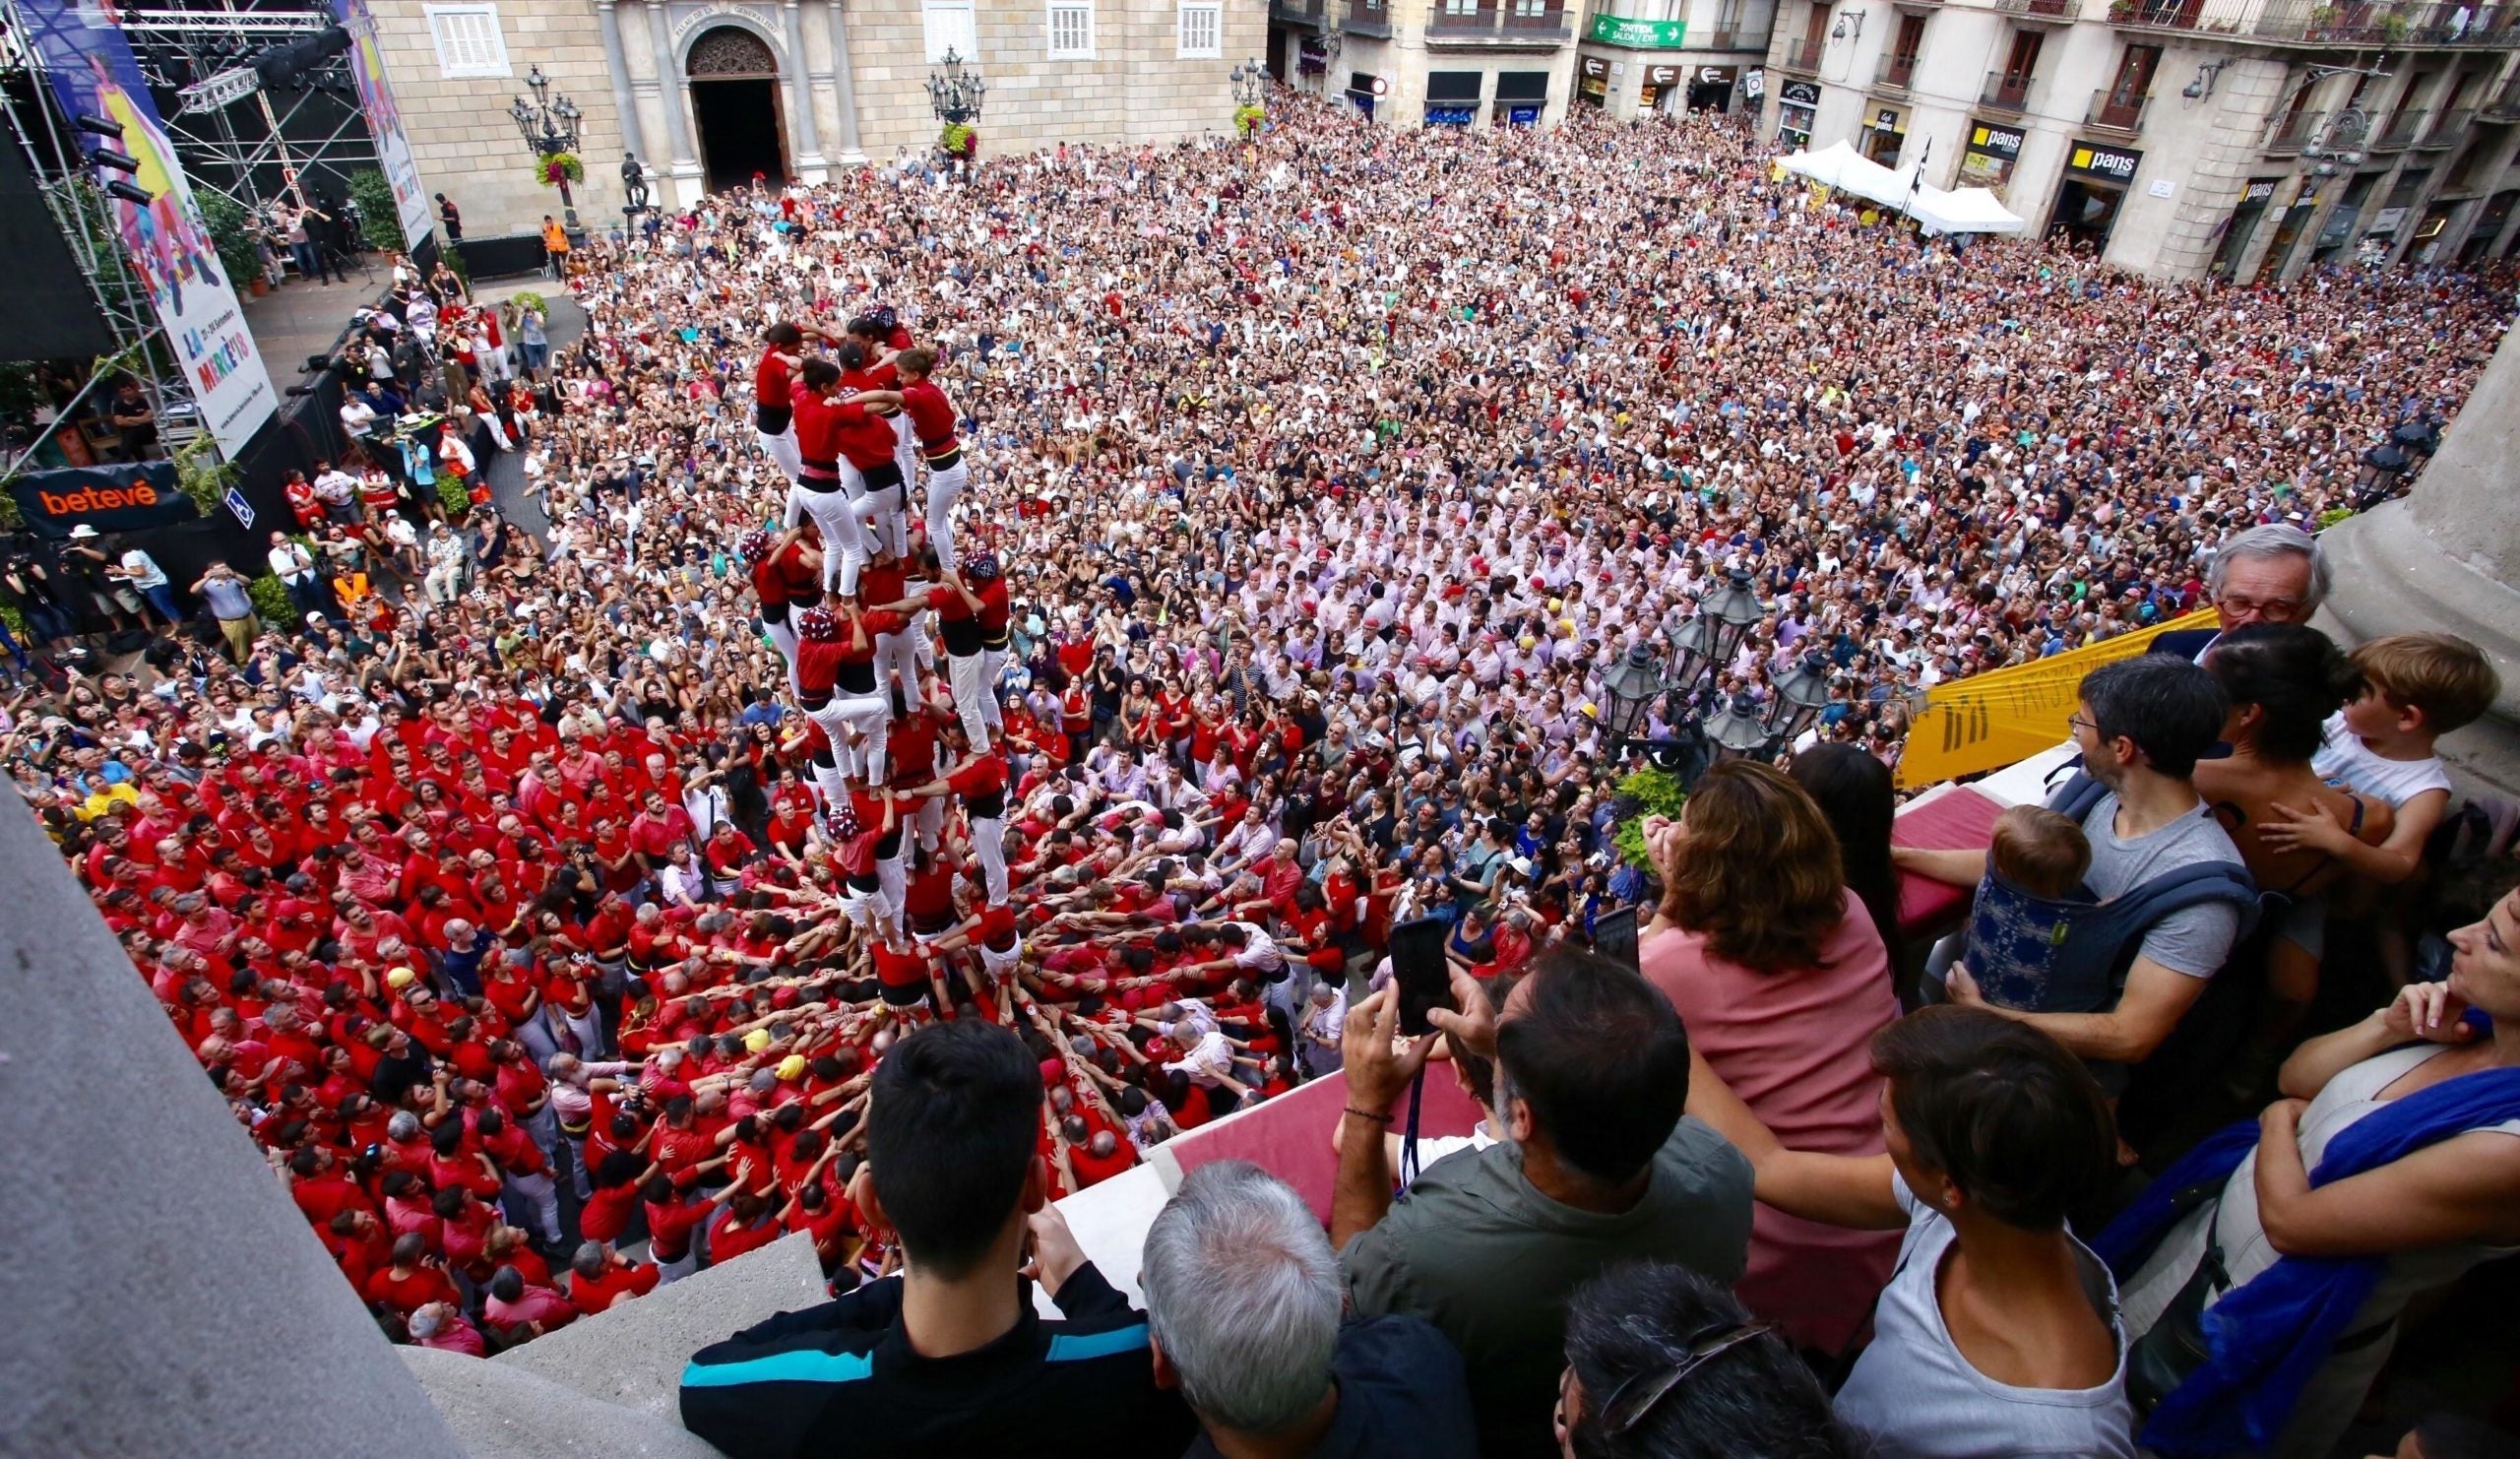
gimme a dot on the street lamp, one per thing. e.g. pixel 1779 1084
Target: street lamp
pixel 2382 466
pixel 1632 685
pixel 1800 696
pixel 1735 609
pixel 549 128
pixel 1738 730
pixel 1250 83
pixel 956 93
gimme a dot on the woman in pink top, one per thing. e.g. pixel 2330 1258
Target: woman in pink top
pixel 1781 980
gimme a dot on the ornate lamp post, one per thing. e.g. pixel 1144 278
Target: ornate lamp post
pixel 1632 686
pixel 1800 696
pixel 1738 730
pixel 1250 83
pixel 957 97
pixel 550 129
pixel 1735 609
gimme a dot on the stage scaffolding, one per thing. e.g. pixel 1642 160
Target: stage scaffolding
pixel 255 144
pixel 56 152
pixel 295 144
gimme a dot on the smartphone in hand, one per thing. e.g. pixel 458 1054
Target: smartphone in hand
pixel 1418 967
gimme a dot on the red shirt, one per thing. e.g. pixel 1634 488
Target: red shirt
pixel 931 416
pixel 770 384
pixel 595 1294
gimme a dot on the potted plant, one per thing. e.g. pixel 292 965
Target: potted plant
pixel 960 140
pixel 2121 11
pixel 560 169
pixel 203 475
pixel 380 218
pixel 232 233
pixel 1247 120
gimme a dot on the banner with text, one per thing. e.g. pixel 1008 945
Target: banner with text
pixel 2001 718
pixel 385 122
pixel 108 498
pixel 1611 30
pixel 93 71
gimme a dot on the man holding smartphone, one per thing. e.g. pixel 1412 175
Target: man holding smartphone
pixel 1596 1164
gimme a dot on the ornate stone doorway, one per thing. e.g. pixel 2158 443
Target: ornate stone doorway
pixel 735 105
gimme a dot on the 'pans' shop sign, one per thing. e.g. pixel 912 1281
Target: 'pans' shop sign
pixel 2115 165
pixel 1990 140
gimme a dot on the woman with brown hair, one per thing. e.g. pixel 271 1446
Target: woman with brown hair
pixel 1780 979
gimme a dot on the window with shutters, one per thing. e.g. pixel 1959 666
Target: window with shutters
pixel 1202 31
pixel 467 41
pixel 951 26
pixel 1071 32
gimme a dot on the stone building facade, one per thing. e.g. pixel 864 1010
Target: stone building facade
pixel 708 92
pixel 2244 140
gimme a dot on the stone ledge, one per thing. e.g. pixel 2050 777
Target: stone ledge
pixel 632 1357
pixel 2392 576
pixel 499 1412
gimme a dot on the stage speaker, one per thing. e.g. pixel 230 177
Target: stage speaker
pixel 52 315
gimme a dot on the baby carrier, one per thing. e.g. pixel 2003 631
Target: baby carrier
pixel 2071 954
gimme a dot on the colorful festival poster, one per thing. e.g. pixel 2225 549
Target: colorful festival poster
pixel 93 71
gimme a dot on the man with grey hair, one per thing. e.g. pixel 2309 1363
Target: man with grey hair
pixel 2271 573
pixel 1243 1302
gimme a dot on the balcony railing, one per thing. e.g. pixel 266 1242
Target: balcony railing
pixel 2355 23
pixel 1299 11
pixel 2296 131
pixel 1366 19
pixel 1803 55
pixel 2062 10
pixel 1895 71
pixel 2403 128
pixel 1493 26
pixel 2116 111
pixel 2506 107
pixel 2006 92
pixel 2450 129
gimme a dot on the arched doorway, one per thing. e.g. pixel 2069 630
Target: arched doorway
pixel 734 100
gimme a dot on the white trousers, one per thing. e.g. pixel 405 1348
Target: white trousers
pixel 943 489
pixel 870 714
pixel 975 696
pixel 781 448
pixel 989 843
pixel 835 516
pixel 784 638
pixel 897 654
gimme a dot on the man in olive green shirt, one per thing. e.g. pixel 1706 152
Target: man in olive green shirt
pixel 1597 1166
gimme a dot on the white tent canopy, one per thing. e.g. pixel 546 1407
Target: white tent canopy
pixel 1968 209
pixel 1965 209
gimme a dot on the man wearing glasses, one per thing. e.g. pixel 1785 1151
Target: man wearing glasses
pixel 2272 573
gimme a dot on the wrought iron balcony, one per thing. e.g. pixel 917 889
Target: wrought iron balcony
pixel 2116 111
pixel 2395 24
pixel 2296 131
pixel 2006 91
pixel 1299 11
pixel 2061 10
pixel 1805 55
pixel 2403 128
pixel 1895 71
pixel 1366 18
pixel 1498 28
pixel 2450 129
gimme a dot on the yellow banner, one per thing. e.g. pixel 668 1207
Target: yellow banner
pixel 1998 718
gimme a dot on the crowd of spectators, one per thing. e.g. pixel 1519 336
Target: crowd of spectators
pixel 771 842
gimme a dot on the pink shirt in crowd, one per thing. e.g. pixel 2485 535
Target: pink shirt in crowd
pixel 1793 1046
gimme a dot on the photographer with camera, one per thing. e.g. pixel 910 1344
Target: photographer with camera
pixel 1597 1165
